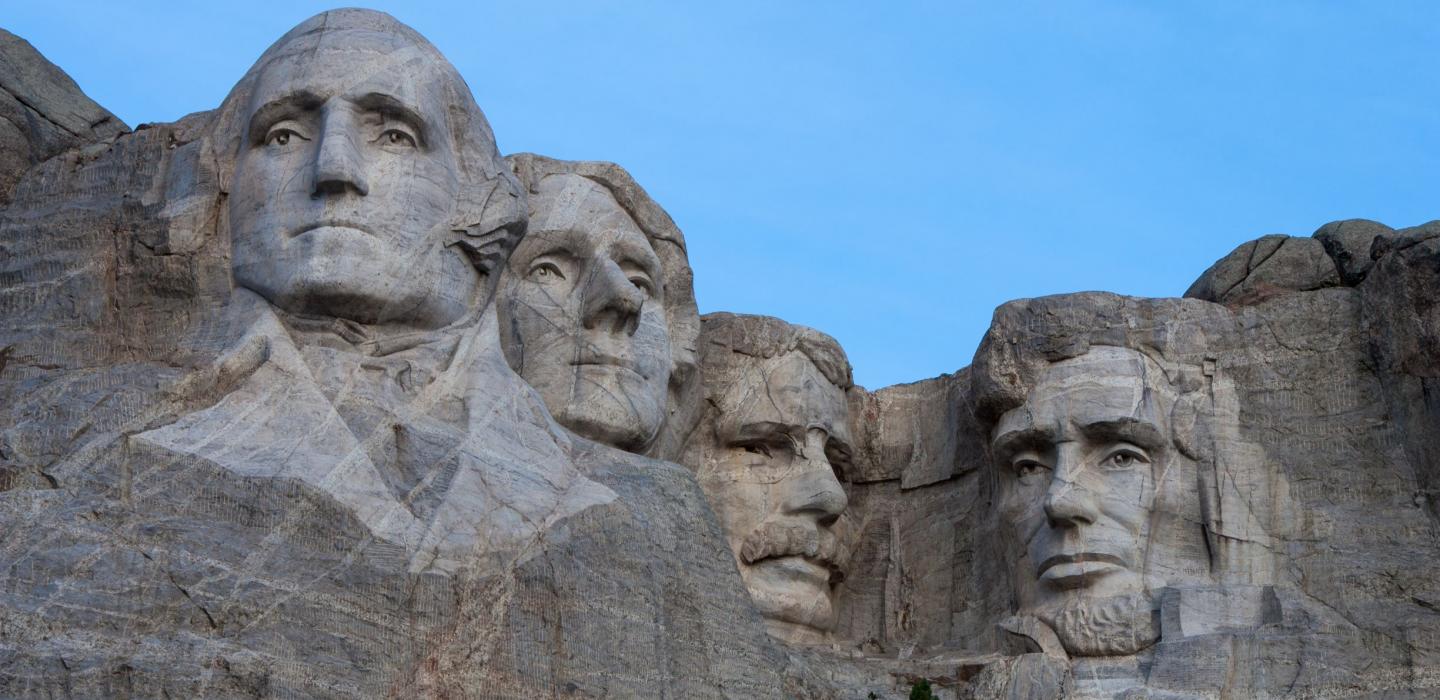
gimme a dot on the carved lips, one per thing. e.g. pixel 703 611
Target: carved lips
pixel 1078 570
pixel 607 361
pixel 334 224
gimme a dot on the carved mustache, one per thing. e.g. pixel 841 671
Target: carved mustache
pixel 774 540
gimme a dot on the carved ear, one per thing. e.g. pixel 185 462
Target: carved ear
pixel 1186 427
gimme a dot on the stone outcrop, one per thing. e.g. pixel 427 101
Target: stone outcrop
pixel 1266 267
pixel 42 112
pixel 315 395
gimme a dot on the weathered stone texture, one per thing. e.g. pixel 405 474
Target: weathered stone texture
pixel 192 508
pixel 1348 243
pixel 42 112
pixel 1264 268
pixel 222 477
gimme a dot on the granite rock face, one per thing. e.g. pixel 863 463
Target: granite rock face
pixel 1269 266
pixel 251 449
pixel 1348 243
pixel 42 112
pixel 770 450
pixel 316 395
pixel 598 306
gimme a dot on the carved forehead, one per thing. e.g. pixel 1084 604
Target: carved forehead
pixel 350 62
pixel 353 52
pixel 565 201
pixel 1106 386
pixel 787 390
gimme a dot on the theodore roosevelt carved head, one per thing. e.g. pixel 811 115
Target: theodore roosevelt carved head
pixel 771 453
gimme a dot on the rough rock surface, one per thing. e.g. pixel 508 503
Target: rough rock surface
pixel 206 495
pixel 42 112
pixel 1265 267
pixel 215 483
pixel 1348 243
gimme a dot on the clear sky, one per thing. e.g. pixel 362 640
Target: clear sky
pixel 891 172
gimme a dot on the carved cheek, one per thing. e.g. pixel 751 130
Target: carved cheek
pixel 651 343
pixel 546 310
pixel 733 493
pixel 1127 499
pixel 1022 505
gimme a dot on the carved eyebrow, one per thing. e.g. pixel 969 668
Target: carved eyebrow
pixel 554 241
pixel 1009 443
pixel 1133 430
pixel 640 256
pixel 393 108
pixel 760 431
pixel 278 109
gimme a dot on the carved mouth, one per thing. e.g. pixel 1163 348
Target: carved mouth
pixel 1078 569
pixel 607 361
pixel 332 223
pixel 799 570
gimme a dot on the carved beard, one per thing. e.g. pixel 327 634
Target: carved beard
pixel 1116 626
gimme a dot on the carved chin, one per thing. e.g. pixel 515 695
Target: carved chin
pixel 1114 626
pixel 367 292
pixel 628 428
pixel 609 405
pixel 796 604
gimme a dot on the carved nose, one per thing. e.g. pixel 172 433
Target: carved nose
pixel 1069 505
pixel 339 165
pixel 814 490
pixel 612 303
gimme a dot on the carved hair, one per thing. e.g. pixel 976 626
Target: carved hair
pixel 724 335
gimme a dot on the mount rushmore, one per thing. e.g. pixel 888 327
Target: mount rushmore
pixel 317 394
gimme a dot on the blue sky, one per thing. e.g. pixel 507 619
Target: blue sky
pixel 891 172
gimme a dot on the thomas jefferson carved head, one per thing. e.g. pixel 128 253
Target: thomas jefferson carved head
pixel 596 306
pixel 365 181
pixel 771 454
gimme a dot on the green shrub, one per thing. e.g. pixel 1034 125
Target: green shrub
pixel 921 691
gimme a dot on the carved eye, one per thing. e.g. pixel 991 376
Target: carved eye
pixel 757 448
pixel 643 284
pixel 397 138
pixel 1029 470
pixel 1123 459
pixel 546 272
pixel 280 136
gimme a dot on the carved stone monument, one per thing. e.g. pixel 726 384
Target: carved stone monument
pixel 318 395
pixel 770 452
pixel 597 306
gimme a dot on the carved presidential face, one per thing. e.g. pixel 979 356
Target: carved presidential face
pixel 583 313
pixel 1078 467
pixel 344 183
pixel 774 478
